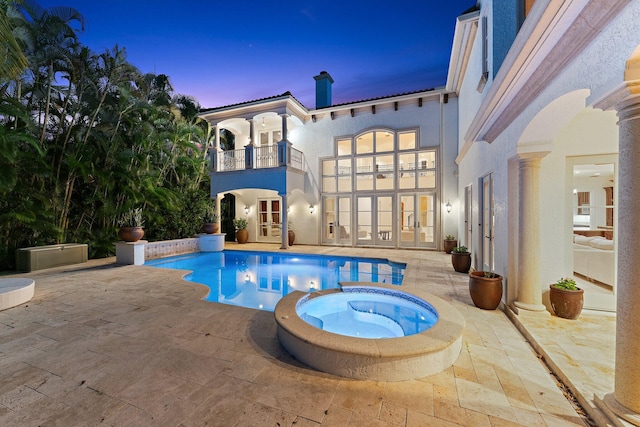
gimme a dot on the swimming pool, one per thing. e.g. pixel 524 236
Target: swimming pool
pixel 259 280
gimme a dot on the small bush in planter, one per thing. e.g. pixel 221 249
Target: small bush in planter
pixel 566 283
pixel 461 259
pixel 450 242
pixel 485 288
pixel 240 224
pixel 566 298
pixel 210 220
pixel 131 223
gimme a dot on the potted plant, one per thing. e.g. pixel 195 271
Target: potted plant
pixel 131 224
pixel 450 242
pixel 240 224
pixel 566 298
pixel 461 259
pixel 210 218
pixel 290 233
pixel 485 288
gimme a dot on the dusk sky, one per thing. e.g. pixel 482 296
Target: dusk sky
pixel 225 52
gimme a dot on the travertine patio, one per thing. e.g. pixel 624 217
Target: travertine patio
pixel 101 344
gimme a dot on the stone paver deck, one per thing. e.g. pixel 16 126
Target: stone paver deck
pixel 101 344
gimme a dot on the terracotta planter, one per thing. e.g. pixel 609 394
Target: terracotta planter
pixel 210 228
pixel 130 234
pixel 486 292
pixel 566 304
pixel 449 245
pixel 292 237
pixel 242 236
pixel 461 261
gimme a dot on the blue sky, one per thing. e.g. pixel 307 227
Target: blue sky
pixel 227 52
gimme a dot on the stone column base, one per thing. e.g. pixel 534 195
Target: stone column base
pixel 524 309
pixel 211 242
pixel 130 253
pixel 613 409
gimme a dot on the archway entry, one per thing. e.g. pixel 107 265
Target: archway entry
pixel 227 214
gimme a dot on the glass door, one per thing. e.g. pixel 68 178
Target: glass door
pixel 269 223
pixel 417 220
pixel 375 225
pixel 593 215
pixel 364 215
pixel 408 220
pixel 384 221
pixel 468 219
pixel 337 220
pixel 487 223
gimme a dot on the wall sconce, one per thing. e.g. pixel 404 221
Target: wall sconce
pixel 448 206
pixel 246 210
pixel 247 278
pixel 312 209
pixel 575 191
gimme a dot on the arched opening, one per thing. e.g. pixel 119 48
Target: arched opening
pixel 227 214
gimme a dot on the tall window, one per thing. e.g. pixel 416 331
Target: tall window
pixel 379 160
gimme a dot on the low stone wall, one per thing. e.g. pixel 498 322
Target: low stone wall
pixel 153 250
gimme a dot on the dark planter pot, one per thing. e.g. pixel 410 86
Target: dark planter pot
pixel 210 228
pixel 292 237
pixel 449 245
pixel 486 292
pixel 461 262
pixel 242 236
pixel 130 234
pixel 566 304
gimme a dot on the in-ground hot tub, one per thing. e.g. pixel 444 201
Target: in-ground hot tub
pixel 426 351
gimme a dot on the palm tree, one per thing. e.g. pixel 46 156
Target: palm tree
pixel 14 62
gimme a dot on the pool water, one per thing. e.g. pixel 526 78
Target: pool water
pixel 260 279
pixel 372 314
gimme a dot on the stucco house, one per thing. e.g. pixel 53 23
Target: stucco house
pixel 548 158
pixel 377 172
pixel 530 154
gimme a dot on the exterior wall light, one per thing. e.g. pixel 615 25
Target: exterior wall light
pixel 246 210
pixel 448 206
pixel 312 209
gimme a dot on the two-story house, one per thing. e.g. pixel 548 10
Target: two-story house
pixel 378 172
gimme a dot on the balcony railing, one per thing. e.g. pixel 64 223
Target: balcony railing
pixel 266 156
pixel 297 159
pixel 251 157
pixel 231 160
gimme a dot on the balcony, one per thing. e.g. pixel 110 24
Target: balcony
pixel 276 167
pixel 251 157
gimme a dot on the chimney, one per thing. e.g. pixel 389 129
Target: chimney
pixel 323 89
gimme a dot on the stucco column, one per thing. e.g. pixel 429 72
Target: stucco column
pixel 216 137
pixel 625 399
pixel 529 300
pixel 214 150
pixel 285 135
pixel 285 221
pixel 251 132
pixel 218 198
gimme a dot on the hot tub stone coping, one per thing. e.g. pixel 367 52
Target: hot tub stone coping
pixel 447 329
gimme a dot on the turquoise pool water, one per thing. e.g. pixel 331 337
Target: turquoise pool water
pixel 368 312
pixel 260 279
